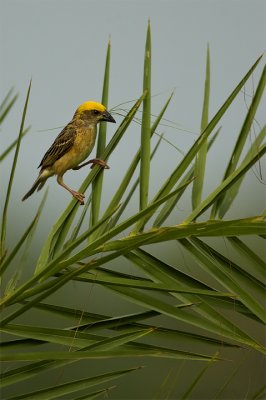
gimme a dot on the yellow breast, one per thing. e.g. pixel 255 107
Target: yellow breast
pixel 82 147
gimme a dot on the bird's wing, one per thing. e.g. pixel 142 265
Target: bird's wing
pixel 61 145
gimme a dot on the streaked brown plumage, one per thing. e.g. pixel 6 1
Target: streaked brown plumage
pixel 72 146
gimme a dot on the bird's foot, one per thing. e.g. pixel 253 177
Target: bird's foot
pixel 79 196
pixel 98 161
pixel 94 161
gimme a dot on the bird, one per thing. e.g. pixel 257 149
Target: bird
pixel 72 146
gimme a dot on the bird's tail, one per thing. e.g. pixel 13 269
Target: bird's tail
pixel 38 184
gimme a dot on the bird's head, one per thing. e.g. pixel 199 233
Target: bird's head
pixel 93 112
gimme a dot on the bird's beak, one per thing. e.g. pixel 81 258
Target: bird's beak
pixel 106 116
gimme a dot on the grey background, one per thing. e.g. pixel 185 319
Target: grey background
pixel 62 44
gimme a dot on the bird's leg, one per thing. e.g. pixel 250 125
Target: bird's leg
pixel 94 161
pixel 79 196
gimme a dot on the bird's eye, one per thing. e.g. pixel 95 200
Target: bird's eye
pixel 96 112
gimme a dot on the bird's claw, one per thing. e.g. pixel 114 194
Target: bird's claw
pixel 94 161
pixel 98 161
pixel 79 196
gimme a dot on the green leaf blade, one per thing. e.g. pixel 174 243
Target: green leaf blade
pixel 101 144
pixel 145 126
pixel 200 161
pixel 12 174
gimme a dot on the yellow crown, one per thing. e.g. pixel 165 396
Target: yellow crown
pixel 90 105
